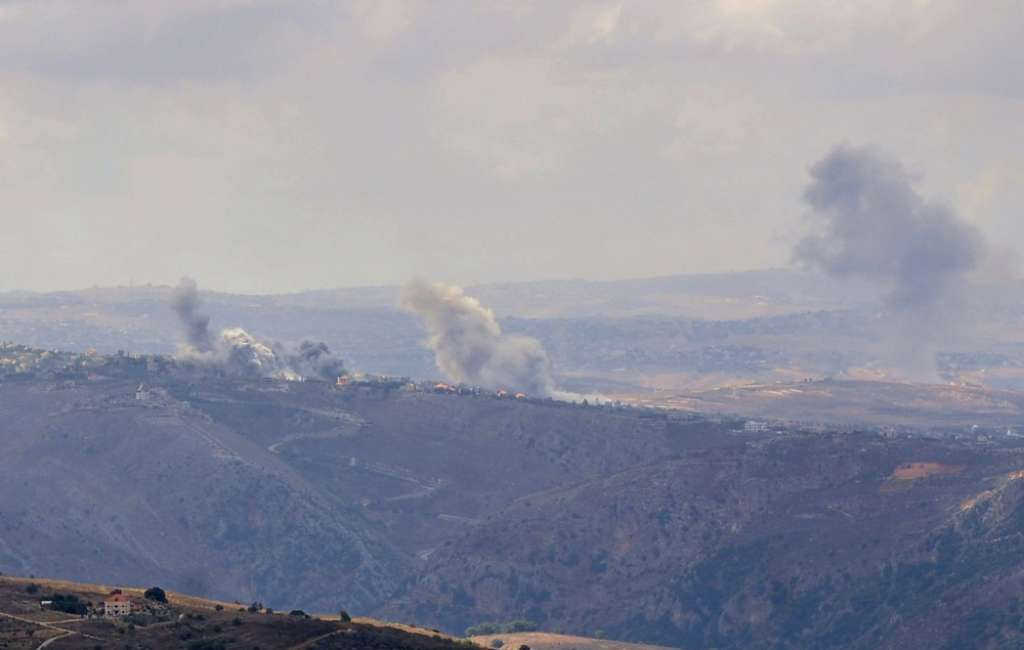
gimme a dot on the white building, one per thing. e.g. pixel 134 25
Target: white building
pixel 755 426
pixel 117 605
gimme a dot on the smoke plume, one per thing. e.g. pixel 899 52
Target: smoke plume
pixel 469 345
pixel 874 225
pixel 196 326
pixel 236 352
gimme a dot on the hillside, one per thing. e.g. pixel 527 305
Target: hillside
pixel 950 408
pixel 547 641
pixel 826 541
pixel 183 622
pixel 453 508
pixel 284 492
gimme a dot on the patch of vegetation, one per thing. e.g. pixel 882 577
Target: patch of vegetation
pixel 508 627
pixel 156 594
pixel 67 603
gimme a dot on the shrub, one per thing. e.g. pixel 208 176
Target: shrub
pixel 32 588
pixel 344 617
pixel 156 594
pixel 69 604
pixel 218 607
pixel 297 612
pixel 497 643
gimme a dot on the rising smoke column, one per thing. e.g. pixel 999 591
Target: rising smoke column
pixel 196 326
pixel 469 345
pixel 236 352
pixel 874 225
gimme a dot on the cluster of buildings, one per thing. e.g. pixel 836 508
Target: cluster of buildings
pixel 116 605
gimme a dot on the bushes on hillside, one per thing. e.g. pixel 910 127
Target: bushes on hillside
pixel 519 625
pixel 481 629
pixel 67 603
pixel 508 627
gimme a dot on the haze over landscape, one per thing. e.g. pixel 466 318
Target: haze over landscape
pixel 582 325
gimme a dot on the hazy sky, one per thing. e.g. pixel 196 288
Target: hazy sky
pixel 271 146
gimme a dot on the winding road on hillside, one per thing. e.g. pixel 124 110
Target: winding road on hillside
pixel 52 625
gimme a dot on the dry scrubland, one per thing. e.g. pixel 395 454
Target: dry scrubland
pixel 546 641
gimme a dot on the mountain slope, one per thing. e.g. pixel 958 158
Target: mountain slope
pixel 96 484
pixel 279 491
pixel 804 541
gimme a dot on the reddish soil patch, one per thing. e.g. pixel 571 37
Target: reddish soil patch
pixel 915 471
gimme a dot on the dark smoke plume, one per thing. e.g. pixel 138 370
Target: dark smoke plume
pixel 185 303
pixel 314 359
pixel 236 352
pixel 469 345
pixel 874 225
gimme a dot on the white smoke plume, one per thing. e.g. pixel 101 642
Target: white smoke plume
pixel 236 352
pixel 470 347
pixel 873 224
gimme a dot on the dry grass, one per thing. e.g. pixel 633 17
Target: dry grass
pixel 23 616
pixel 546 641
pixel 915 471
